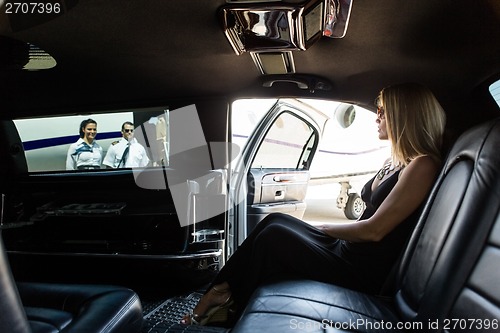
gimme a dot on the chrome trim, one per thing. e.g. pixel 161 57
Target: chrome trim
pixel 190 256
pixel 272 26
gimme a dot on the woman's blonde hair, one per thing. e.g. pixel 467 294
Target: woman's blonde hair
pixel 415 122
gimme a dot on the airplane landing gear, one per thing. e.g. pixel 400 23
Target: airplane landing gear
pixel 351 203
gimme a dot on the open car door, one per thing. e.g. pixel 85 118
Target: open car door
pixel 272 174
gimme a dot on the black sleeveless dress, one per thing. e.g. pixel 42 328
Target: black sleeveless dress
pixel 375 259
pixel 282 246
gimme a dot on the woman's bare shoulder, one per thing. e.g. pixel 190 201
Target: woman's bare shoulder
pixel 423 165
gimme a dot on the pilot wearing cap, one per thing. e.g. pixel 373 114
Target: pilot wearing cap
pixel 126 152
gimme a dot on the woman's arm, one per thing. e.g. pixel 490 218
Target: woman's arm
pixel 412 188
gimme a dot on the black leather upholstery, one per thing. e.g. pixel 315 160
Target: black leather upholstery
pixel 449 274
pixel 53 308
pixel 12 316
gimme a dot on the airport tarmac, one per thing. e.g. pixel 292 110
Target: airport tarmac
pixel 321 203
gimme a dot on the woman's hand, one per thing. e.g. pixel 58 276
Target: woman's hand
pixel 323 227
pixel 336 229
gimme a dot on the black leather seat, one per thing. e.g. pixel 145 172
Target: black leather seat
pixel 447 280
pixel 52 308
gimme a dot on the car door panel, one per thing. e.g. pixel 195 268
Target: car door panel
pixel 276 161
pixel 276 191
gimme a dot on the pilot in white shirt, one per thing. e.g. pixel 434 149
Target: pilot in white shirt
pixel 126 152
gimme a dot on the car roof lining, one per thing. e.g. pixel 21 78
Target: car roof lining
pixel 135 51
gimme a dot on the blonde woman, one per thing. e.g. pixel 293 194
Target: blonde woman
pixel 356 255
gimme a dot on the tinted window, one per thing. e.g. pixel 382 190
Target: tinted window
pixel 495 91
pixel 46 141
pixel 284 143
pixel 343 150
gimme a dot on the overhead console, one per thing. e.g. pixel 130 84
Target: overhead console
pixel 258 26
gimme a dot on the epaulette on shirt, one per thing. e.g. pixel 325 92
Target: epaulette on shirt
pixel 114 142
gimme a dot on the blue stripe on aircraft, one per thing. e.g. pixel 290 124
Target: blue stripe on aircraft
pixel 64 140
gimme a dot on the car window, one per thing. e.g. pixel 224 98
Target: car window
pixel 284 143
pixel 246 114
pixel 342 149
pixel 46 141
pixel 495 91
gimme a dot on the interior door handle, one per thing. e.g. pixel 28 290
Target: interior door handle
pixel 302 84
pixel 283 179
pixel 308 82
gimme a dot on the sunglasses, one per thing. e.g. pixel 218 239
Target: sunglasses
pixel 128 130
pixel 380 112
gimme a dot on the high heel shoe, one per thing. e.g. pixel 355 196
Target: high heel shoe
pixel 214 314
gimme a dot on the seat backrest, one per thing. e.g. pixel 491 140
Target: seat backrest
pixel 451 267
pixel 13 317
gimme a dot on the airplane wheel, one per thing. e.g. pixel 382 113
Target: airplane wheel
pixel 354 207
